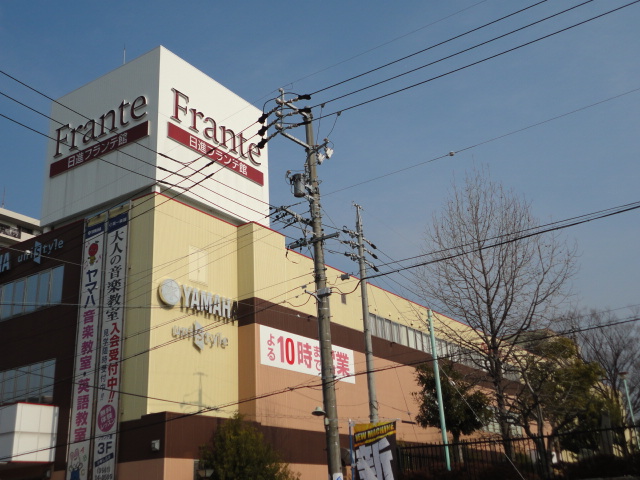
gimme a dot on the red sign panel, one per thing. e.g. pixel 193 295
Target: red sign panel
pixel 207 150
pixel 99 149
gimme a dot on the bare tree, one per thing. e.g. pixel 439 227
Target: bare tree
pixel 493 273
pixel 612 342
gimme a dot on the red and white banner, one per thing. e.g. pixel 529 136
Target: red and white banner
pixel 110 352
pixel 301 354
pixel 99 149
pixel 215 153
pixel 84 381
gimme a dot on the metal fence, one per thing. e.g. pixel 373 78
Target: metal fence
pixel 575 455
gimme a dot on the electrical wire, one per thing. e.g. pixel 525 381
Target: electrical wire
pixel 431 47
pixel 478 62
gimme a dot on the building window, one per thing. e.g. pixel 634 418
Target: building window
pixel 29 293
pixel 402 335
pixel 10 231
pixel 372 324
pixel 30 383
pixel 493 426
pixel 412 338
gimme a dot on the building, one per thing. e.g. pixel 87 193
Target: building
pixel 15 227
pixel 162 302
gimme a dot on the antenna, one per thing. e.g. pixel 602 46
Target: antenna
pixel 124 54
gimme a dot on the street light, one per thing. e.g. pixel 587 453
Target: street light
pixel 318 412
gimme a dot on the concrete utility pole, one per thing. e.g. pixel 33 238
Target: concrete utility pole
pixel 324 315
pixel 307 185
pixel 368 349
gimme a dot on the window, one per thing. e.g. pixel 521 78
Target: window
pixel 30 383
pixel 380 327
pixel 388 329
pixel 511 372
pixel 441 348
pixel 372 324
pixel 7 300
pixel 18 297
pixel 32 294
pixel 494 427
pixel 426 343
pixel 418 340
pixel 43 288
pixel 411 333
pixel 402 335
pixel 29 293
pixel 56 285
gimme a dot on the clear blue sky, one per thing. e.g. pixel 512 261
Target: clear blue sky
pixel 581 163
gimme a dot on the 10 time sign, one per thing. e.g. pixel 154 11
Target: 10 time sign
pixel 288 351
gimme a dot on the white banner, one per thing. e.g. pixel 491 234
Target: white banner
pixel 110 351
pixel 86 351
pixel 301 354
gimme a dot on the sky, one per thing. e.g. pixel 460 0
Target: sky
pixel 556 121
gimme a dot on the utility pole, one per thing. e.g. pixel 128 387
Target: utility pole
pixel 307 186
pixel 436 374
pixel 368 349
pixel 324 315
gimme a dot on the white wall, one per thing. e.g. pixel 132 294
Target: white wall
pixel 135 167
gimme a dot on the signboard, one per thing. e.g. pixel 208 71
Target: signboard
pixel 110 350
pixel 201 338
pixel 82 407
pixel 301 354
pixel 99 149
pixel 215 153
pixel 117 136
pixel 171 293
pixel 375 451
pixel 35 253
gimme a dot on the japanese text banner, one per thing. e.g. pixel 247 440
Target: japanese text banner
pixel 375 451
pixel 288 351
pixel 86 349
pixel 110 353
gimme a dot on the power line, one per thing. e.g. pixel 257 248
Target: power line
pixel 381 45
pixel 430 48
pixel 504 52
pixel 609 213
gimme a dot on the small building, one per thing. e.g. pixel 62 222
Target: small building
pixel 15 227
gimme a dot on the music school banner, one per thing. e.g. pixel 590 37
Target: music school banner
pixel 84 376
pixel 110 349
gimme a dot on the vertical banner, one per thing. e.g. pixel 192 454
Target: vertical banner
pixel 84 374
pixel 375 451
pixel 110 351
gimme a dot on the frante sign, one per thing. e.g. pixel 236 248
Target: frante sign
pixel 171 293
pixel 70 139
pixel 222 138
